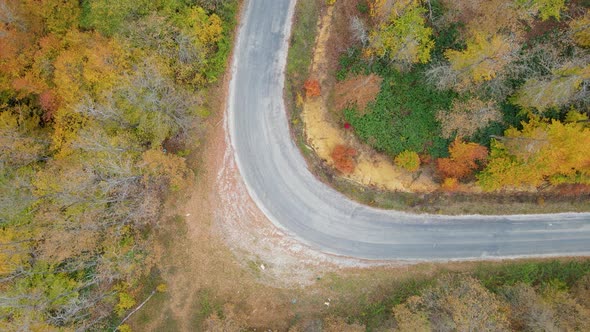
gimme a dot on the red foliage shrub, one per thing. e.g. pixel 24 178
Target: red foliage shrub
pixel 465 158
pixel 312 88
pixel 49 104
pixel 343 157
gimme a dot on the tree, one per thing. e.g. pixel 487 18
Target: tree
pixel 312 88
pixel 464 159
pixel 542 151
pixel 488 17
pixel 482 59
pixel 461 303
pixel 343 158
pixel 409 160
pixel 580 29
pixel 404 38
pixel 554 91
pixel 466 117
pixel 545 9
pixel 528 311
pixel 409 317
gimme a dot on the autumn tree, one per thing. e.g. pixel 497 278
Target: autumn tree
pixel 487 17
pixel 545 9
pixel 404 38
pixel 464 159
pixel 343 157
pixel 461 303
pixel 580 29
pixel 542 151
pixel 409 160
pixel 83 175
pixel 410 316
pixel 312 88
pixel 466 117
pixel 554 91
pixel 482 60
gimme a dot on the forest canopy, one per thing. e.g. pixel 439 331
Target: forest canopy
pixel 96 99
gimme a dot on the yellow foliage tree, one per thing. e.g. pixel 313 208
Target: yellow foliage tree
pixel 580 29
pixel 555 91
pixel 404 37
pixel 483 58
pixel 542 151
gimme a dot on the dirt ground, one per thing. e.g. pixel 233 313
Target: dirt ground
pixel 324 132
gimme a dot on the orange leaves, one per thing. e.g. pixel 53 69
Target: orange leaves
pixel 343 157
pixel 312 88
pixel 464 159
pixel 49 103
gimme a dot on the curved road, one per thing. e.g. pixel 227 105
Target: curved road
pixel 280 183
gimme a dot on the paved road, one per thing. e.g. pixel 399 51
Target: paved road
pixel 279 181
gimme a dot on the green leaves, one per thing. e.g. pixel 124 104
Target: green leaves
pixel 404 115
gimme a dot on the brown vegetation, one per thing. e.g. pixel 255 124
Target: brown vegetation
pixel 312 88
pixel 358 90
pixel 343 157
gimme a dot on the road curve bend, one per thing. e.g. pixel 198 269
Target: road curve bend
pixel 280 183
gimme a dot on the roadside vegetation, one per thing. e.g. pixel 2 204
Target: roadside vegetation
pixel 507 76
pixel 97 99
pixel 469 92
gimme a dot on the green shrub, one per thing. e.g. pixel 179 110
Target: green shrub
pixel 403 115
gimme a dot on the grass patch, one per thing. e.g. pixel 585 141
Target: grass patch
pixel 205 305
pixel 299 58
pixel 532 273
pixel 303 36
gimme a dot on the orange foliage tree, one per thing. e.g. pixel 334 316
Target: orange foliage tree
pixel 343 157
pixel 465 158
pixel 312 88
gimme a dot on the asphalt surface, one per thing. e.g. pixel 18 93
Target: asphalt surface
pixel 280 183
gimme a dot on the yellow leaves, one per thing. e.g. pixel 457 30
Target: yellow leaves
pixel 207 29
pixel 14 251
pixel 580 29
pixel 482 59
pixel 404 37
pixel 162 288
pixel 168 166
pixel 555 91
pixel 66 127
pixel 544 8
pixel 541 151
pixel 409 160
pixel 90 63
pixel 124 328
pixel 60 15
pixel 376 7
pixel 126 302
